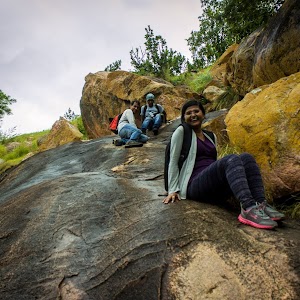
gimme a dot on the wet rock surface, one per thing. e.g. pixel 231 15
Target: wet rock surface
pixel 86 221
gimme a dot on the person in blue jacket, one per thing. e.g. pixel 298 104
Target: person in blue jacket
pixel 151 115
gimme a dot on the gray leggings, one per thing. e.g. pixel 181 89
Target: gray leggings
pixel 232 175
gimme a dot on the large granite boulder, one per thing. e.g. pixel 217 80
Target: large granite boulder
pixel 213 93
pixel 269 53
pixel 215 122
pixel 219 69
pixel 106 94
pixel 266 123
pixel 86 221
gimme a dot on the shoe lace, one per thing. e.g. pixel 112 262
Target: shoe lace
pixel 260 208
pixel 261 205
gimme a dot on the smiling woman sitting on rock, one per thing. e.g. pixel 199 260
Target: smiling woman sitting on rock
pixel 203 177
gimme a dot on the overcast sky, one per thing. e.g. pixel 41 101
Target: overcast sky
pixel 49 46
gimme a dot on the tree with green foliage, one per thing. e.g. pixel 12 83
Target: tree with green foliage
pixel 75 120
pixel 70 115
pixel 5 101
pixel 157 59
pixel 225 22
pixel 114 66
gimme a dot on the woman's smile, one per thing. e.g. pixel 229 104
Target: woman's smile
pixel 193 115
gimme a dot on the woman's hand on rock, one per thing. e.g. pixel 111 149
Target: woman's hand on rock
pixel 172 198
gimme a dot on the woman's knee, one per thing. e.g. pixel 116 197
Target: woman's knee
pixel 246 157
pixel 231 158
pixel 238 159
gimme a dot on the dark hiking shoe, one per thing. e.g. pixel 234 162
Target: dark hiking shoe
pixel 118 142
pixel 131 144
pixel 256 217
pixel 155 131
pixel 274 214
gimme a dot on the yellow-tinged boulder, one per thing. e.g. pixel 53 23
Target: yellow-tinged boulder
pixel 106 94
pixel 266 123
pixel 62 132
pixel 219 68
pixel 217 125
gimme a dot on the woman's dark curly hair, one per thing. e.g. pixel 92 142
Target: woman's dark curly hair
pixel 189 103
pixel 135 101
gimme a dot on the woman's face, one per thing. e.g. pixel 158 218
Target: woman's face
pixel 194 116
pixel 134 107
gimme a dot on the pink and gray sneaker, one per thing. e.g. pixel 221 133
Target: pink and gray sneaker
pixel 256 217
pixel 274 214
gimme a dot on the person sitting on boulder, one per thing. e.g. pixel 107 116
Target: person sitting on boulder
pixel 204 178
pixel 151 115
pixel 127 129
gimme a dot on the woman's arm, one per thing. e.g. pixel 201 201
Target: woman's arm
pixel 173 172
pixel 175 151
pixel 130 117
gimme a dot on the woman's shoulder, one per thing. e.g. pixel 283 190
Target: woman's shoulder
pixel 211 135
pixel 179 132
pixel 127 112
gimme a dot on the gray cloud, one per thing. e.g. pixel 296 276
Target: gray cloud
pixel 49 46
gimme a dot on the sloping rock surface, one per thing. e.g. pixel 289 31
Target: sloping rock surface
pixel 85 221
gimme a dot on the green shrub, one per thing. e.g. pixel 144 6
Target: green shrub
pixel 28 145
pixel 30 136
pixel 18 152
pixel 181 79
pixel 226 100
pixel 291 206
pixel 6 135
pixel 34 147
pixel 3 151
pixel 226 150
pixel 295 210
pixel 195 81
pixel 8 164
pixel 79 124
pixel 198 81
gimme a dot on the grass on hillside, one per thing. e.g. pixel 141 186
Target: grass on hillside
pixel 27 143
pixel 195 81
pixel 198 81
